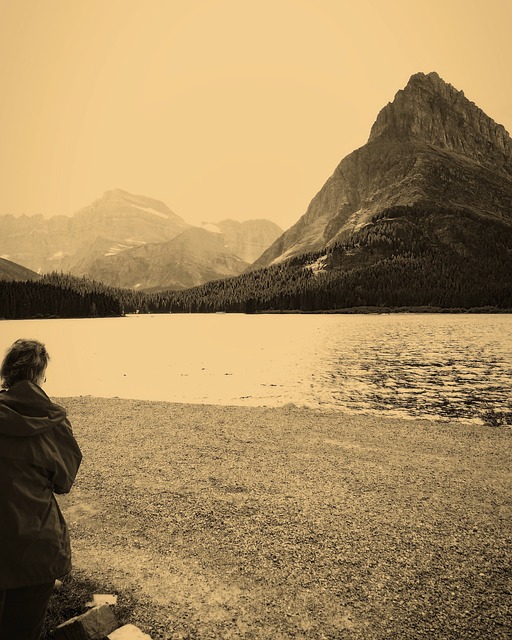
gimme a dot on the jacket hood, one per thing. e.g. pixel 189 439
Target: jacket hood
pixel 26 410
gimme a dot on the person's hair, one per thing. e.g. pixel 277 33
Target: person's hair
pixel 24 360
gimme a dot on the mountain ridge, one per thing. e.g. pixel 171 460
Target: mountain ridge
pixel 11 271
pixel 192 258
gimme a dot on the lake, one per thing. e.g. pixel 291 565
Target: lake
pixel 410 365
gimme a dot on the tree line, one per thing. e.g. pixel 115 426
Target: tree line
pixel 39 299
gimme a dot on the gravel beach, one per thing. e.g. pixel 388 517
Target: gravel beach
pixel 233 522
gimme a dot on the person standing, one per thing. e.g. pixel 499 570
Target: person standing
pixel 39 457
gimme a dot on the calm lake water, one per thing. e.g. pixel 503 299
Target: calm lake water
pixel 404 365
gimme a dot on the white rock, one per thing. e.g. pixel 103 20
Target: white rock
pixel 102 598
pixel 128 632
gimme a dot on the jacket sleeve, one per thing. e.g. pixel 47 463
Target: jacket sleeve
pixel 67 458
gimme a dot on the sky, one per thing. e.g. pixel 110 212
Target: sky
pixel 220 108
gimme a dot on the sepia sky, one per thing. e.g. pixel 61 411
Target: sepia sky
pixel 220 108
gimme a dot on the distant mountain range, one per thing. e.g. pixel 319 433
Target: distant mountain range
pixel 133 241
pixel 421 215
pixel 194 257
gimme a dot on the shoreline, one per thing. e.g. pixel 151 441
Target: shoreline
pixel 289 522
pixel 384 310
pixel 490 417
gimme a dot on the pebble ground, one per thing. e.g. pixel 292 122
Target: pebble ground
pixel 231 522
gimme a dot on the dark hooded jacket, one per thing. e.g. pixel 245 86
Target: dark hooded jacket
pixel 38 457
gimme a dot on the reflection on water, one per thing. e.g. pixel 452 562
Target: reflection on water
pixel 408 365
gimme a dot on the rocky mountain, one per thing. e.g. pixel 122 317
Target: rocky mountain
pixel 248 239
pixel 429 149
pixel 127 240
pixel 194 257
pixel 12 271
pixel 115 222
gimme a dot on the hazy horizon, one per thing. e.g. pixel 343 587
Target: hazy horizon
pixel 220 108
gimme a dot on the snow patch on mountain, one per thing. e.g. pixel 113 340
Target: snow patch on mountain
pixel 119 247
pixel 58 255
pixel 150 210
pixel 209 226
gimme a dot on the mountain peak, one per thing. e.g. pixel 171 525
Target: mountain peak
pixel 118 202
pixel 120 195
pixel 115 192
pixel 428 79
pixel 429 147
pixel 434 111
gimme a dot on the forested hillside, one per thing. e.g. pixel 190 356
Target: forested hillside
pixel 406 257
